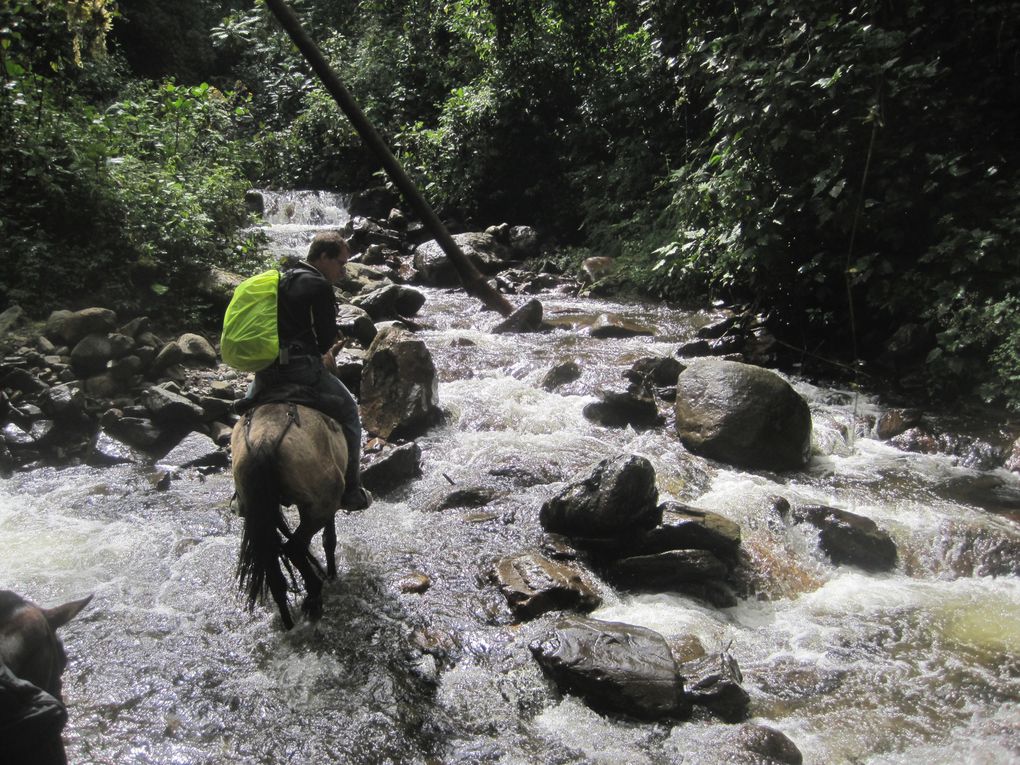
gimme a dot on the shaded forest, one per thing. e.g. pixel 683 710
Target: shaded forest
pixel 849 170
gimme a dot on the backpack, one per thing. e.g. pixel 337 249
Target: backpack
pixel 250 340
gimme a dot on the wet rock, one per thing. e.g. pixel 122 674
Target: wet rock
pixel 196 351
pixel 561 374
pixel 214 408
pixel 435 269
pixel 17 378
pixel 107 449
pixel 349 372
pixel 69 328
pixel 655 371
pixel 170 408
pixel 16 436
pixel 527 318
pixel 896 421
pixel 223 389
pixel 103 386
pixel 742 415
pixel 694 349
pixel 614 667
pixel 987 491
pixel 516 281
pixel 714 682
pixel 616 498
pixel 619 409
pixel 139 432
pixel 664 570
pixel 415 582
pixel 687 528
pixel 65 403
pixel 716 329
pixel 1012 462
pixel 471 496
pixel 399 386
pixel 609 326
pixel 91 354
pixel 355 322
pixel 390 302
pixel 761 745
pixel 170 354
pixel 848 538
pixel 194 450
pixel 534 585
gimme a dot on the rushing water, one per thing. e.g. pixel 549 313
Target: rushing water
pixel 167 666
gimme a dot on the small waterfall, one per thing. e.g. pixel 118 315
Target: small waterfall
pixel 292 218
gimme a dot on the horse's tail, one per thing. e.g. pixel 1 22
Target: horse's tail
pixel 258 566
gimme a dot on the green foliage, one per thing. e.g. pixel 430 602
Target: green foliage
pixel 119 202
pixel 869 151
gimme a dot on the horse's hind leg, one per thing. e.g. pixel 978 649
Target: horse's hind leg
pixel 329 547
pixel 296 548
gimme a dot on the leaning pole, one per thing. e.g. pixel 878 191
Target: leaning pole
pixel 474 283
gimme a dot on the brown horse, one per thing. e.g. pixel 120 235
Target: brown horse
pixel 287 454
pixel 32 659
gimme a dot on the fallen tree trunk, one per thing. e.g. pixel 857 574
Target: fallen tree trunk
pixel 473 281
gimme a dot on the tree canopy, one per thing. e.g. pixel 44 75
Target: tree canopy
pixel 848 169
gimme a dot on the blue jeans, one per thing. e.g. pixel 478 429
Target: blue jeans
pixel 338 402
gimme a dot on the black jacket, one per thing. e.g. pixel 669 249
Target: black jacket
pixel 306 311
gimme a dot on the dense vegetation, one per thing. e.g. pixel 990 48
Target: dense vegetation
pixel 850 169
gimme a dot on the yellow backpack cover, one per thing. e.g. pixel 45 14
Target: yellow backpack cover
pixel 250 340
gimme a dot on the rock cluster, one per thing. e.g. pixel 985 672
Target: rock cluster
pixel 86 387
pixel 613 517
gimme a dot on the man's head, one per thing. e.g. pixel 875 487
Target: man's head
pixel 329 253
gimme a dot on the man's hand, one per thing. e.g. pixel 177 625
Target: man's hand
pixel 329 357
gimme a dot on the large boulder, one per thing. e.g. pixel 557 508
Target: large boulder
pixel 534 585
pixel 399 386
pixel 390 302
pixel 69 327
pixel 196 350
pixel 618 409
pixel 688 528
pixel 743 415
pixel 616 498
pixel 614 667
pixel 393 468
pixel 714 682
pixel 436 270
pixel 91 354
pixel 849 538
pixel 666 570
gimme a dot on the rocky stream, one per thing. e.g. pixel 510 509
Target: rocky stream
pixel 562 565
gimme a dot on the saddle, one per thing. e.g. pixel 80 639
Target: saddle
pixel 292 393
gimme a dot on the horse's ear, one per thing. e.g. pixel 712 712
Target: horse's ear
pixel 58 616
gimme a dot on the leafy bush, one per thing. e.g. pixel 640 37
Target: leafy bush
pixel 117 202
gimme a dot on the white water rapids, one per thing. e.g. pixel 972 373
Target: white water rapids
pixel 166 666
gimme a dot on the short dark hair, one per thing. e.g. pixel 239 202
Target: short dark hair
pixel 329 244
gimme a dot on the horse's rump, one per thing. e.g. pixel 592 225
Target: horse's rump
pixel 285 454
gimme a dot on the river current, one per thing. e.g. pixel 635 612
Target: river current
pixel 166 666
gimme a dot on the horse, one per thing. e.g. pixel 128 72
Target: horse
pixel 287 454
pixel 32 658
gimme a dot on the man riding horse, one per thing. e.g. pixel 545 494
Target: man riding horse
pixel 307 311
pixel 300 441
